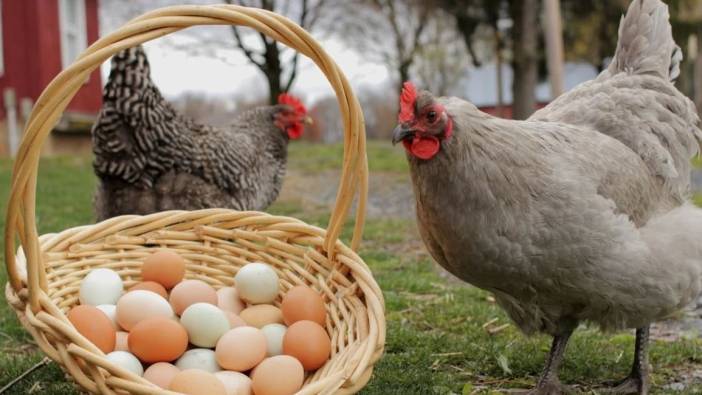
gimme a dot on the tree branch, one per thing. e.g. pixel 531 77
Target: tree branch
pixel 250 54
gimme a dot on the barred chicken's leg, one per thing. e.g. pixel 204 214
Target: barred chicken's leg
pixel 637 382
pixel 548 383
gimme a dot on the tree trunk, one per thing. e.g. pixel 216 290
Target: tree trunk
pixel 524 41
pixel 500 77
pixel 403 73
pixel 273 72
pixel 554 46
pixel 697 77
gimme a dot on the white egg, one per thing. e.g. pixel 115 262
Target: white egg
pixel 127 361
pixel 257 283
pixel 199 358
pixel 100 286
pixel 205 324
pixel 139 305
pixel 110 311
pixel 274 338
pixel 235 383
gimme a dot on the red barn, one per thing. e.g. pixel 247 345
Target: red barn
pixel 38 38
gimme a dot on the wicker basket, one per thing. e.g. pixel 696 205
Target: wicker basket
pixel 46 271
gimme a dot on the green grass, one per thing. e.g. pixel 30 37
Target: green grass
pixel 697 162
pixel 436 342
pixel 317 157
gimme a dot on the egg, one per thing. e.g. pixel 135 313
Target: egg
pixel 190 292
pixel 126 361
pixel 161 374
pixel 257 283
pixel 308 342
pixel 235 383
pixel 94 325
pixel 164 267
pixel 150 286
pixel 234 320
pixel 158 339
pixel 110 311
pixel 274 338
pixel 279 375
pixel 199 358
pixel 100 286
pixel 138 305
pixel 303 303
pixel 228 300
pixel 121 343
pixel 197 382
pixel 241 348
pixel 205 324
pixel 262 314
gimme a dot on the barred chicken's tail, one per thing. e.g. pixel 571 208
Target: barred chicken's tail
pixel 130 73
pixel 646 44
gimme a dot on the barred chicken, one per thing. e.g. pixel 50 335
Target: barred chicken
pixel 150 158
pixel 580 213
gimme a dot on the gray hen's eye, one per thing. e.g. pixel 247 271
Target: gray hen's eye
pixel 431 116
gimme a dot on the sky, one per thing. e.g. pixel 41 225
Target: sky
pixel 230 74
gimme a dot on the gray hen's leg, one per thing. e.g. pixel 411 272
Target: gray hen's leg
pixel 548 383
pixel 637 382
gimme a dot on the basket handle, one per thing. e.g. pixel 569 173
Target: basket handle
pixel 21 218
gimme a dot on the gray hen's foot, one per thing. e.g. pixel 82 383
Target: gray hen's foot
pixel 637 382
pixel 630 385
pixel 553 387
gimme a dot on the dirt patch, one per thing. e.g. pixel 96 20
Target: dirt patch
pixel 389 194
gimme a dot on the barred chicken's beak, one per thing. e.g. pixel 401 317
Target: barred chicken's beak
pixel 308 120
pixel 400 133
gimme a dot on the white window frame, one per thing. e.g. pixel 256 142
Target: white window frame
pixel 2 46
pixel 76 31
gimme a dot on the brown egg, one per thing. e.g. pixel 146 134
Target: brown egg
pixel 241 348
pixel 303 303
pixel 278 375
pixel 158 339
pixel 234 320
pixel 308 342
pixel 164 267
pixel 152 286
pixel 197 382
pixel 95 326
pixel 190 292
pixel 121 343
pixel 228 300
pixel 261 315
pixel 161 374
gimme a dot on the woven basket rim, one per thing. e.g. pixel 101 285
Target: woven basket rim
pixel 30 295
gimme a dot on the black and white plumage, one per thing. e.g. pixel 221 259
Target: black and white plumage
pixel 150 158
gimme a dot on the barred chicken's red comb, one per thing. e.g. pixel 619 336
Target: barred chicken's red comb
pixel 407 99
pixel 292 101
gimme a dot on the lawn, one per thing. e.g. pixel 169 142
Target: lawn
pixel 441 333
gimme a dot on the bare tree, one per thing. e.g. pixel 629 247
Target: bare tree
pixel 277 63
pixel 386 31
pixel 441 63
pixel 270 57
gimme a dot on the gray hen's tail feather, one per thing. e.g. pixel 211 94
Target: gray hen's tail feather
pixel 646 44
pixel 673 240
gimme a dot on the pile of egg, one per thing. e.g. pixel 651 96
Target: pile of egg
pixel 185 336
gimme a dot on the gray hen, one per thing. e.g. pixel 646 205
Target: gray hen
pixel 579 214
pixel 150 158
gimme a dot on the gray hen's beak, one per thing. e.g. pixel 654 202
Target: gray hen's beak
pixel 400 133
